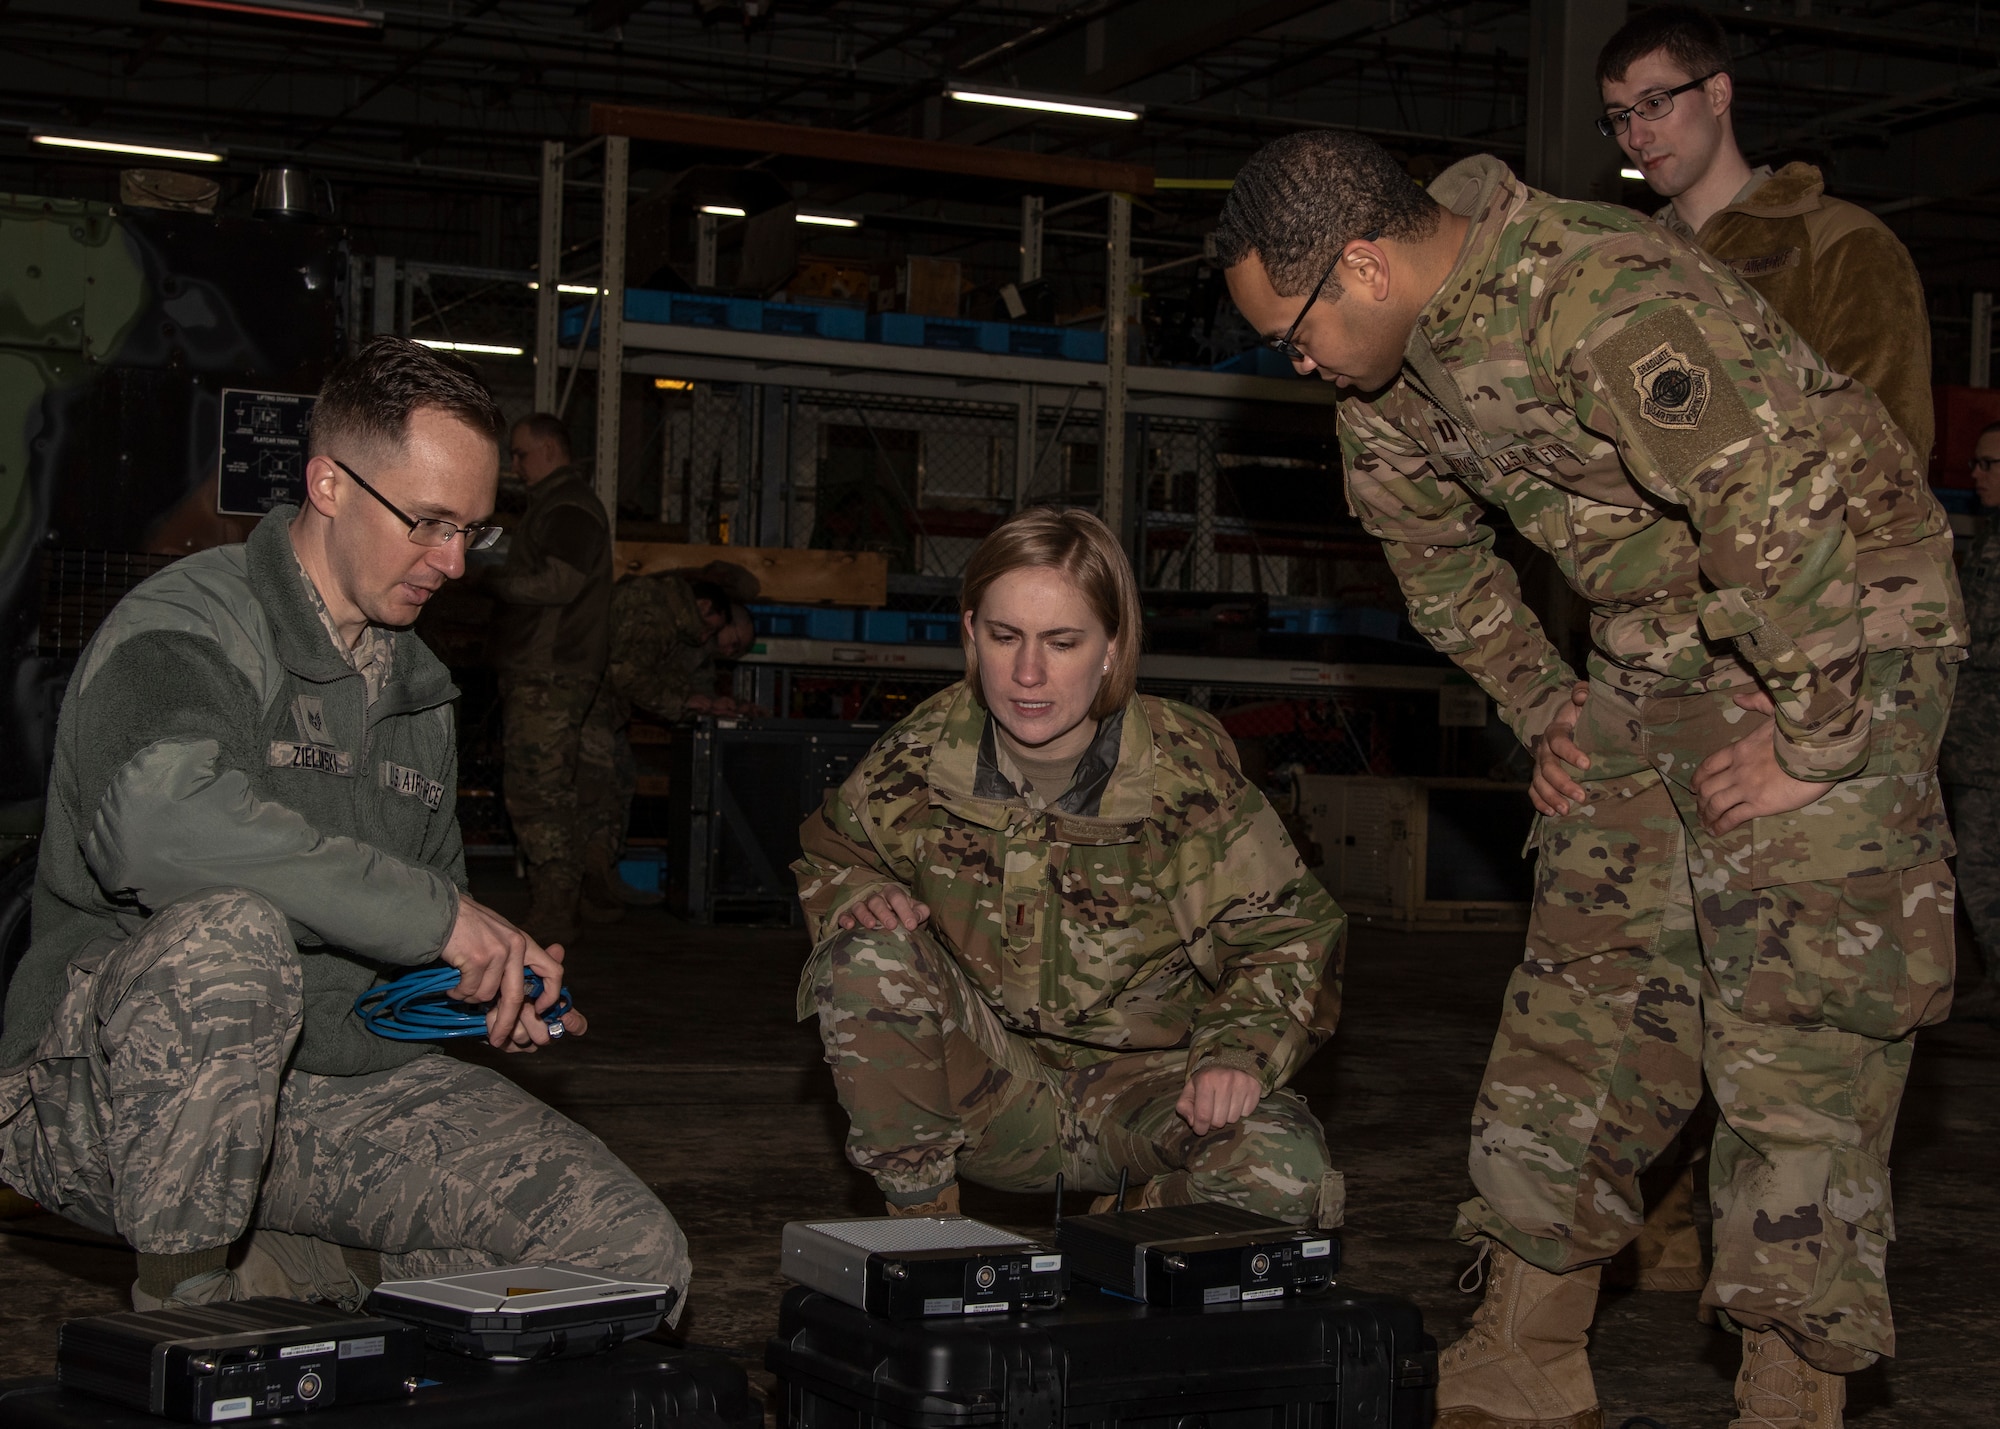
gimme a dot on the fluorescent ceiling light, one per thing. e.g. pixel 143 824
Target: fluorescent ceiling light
pixel 144 151
pixel 580 288
pixel 349 17
pixel 489 348
pixel 672 384
pixel 1044 103
pixel 722 210
pixel 828 220
pixel 1631 174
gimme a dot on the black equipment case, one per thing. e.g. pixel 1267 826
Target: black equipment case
pixel 1341 1360
pixel 640 1385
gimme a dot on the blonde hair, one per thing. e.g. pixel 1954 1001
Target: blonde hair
pixel 1082 547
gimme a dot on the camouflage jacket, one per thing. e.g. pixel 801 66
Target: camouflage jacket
pixel 660 650
pixel 1972 738
pixel 1156 904
pixel 1731 509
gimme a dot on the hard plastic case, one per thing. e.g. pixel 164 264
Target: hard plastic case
pixel 1342 1360
pixel 645 1385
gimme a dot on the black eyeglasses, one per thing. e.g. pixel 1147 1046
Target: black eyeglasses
pixel 1652 108
pixel 429 531
pixel 1284 346
pixel 1986 463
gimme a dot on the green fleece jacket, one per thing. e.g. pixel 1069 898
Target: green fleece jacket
pixel 214 737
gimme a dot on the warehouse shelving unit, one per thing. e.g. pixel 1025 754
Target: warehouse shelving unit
pixel 1000 431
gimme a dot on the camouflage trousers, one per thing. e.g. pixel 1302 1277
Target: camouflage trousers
pixel 158 1107
pixel 607 775
pixel 1975 815
pixel 543 719
pixel 935 1088
pixel 1657 955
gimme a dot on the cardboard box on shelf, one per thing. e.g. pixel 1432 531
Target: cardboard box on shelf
pixel 932 287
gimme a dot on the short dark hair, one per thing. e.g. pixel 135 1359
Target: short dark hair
pixel 1986 431
pixel 718 599
pixel 1303 198
pixel 548 427
pixel 369 398
pixel 1692 39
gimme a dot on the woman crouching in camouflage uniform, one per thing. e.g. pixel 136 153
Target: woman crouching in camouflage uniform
pixel 1056 928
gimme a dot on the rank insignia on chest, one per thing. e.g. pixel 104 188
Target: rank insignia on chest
pixel 309 714
pixel 1673 392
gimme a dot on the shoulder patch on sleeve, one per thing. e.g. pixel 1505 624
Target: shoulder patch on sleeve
pixel 1661 374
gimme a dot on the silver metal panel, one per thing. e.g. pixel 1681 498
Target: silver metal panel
pixel 832 1256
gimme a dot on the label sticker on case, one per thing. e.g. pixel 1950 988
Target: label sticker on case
pixel 1042 1263
pixel 363 1349
pixel 1221 1294
pixel 230 1409
pixel 1272 1293
pixel 991 1307
pixel 1314 1249
pixel 317 1347
pixel 943 1307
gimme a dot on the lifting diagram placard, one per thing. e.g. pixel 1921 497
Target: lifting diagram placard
pixel 263 450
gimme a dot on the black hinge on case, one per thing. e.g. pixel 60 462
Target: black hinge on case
pixel 1034 1389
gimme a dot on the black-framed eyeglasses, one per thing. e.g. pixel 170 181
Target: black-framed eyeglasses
pixel 428 530
pixel 1985 464
pixel 1652 108
pixel 1284 346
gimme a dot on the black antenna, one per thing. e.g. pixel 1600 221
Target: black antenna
pixel 1059 1191
pixel 1119 1204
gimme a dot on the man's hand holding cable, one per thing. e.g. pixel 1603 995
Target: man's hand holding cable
pixel 491 955
pixel 1556 753
pixel 1744 780
pixel 890 908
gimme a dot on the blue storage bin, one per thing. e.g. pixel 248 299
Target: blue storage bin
pixel 812 320
pixel 644 869
pixel 885 627
pixel 934 628
pixel 802 622
pixel 1074 344
pixel 951 334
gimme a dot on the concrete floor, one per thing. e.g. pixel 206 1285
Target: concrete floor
pixel 696 1074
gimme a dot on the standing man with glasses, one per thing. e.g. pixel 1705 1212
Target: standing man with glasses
pixel 1971 759
pixel 1752 884
pixel 1832 269
pixel 251 820
pixel 551 642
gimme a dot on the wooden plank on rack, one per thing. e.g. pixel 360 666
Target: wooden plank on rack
pixel 784 576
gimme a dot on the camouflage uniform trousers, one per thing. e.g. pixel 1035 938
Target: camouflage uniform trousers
pixel 1654 957
pixel 935 1087
pixel 543 719
pixel 607 774
pixel 1975 815
pixel 158 1107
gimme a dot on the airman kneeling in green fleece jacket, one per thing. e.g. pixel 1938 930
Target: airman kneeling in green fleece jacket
pixel 250 821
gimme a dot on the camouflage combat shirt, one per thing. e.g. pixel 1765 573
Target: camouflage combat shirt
pixel 660 648
pixel 1732 510
pixel 1156 904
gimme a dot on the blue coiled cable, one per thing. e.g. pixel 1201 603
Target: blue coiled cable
pixel 414 1008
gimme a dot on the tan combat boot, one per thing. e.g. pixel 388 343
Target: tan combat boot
pixel 1775 1389
pixel 944 1203
pixel 1523 1364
